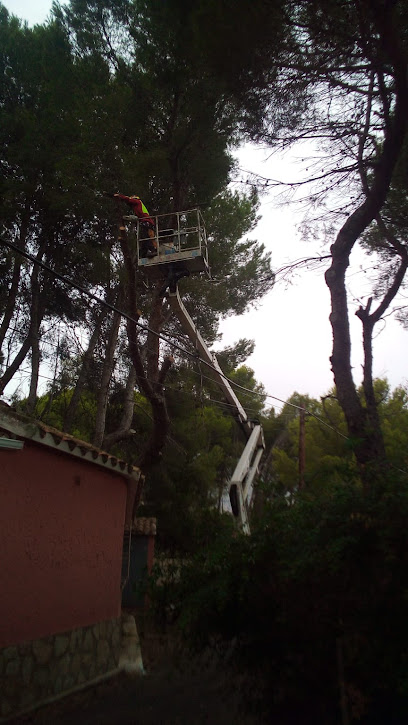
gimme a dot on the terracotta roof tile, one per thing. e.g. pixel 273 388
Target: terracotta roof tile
pixel 144 526
pixel 27 428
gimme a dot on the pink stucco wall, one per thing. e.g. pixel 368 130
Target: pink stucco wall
pixel 61 533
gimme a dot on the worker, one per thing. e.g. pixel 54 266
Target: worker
pixel 146 225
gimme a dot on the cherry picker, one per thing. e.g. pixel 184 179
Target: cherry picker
pixel 181 250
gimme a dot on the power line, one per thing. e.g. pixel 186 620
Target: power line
pixel 100 301
pixel 220 402
pixel 323 422
pixel 146 328
pixel 162 336
pixel 113 308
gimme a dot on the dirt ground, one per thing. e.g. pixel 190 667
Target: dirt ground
pixel 176 690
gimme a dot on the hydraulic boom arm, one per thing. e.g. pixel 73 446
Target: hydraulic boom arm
pixel 241 484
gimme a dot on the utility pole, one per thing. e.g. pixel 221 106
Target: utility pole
pixel 302 448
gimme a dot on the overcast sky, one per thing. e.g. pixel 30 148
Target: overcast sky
pixel 34 11
pixel 291 326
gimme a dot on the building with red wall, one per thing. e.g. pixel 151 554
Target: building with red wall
pixel 63 510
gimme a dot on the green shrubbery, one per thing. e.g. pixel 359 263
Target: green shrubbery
pixel 312 607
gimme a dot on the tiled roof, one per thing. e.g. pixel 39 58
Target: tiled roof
pixel 19 425
pixel 144 526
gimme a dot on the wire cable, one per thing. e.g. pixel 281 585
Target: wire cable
pixel 100 301
pixel 146 328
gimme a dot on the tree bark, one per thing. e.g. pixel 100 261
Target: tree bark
pixel 36 315
pixel 86 362
pixel 103 393
pixel 124 429
pixel 152 389
pixel 363 426
pixel 52 390
pixel 369 321
pixel 15 280
pixel 35 369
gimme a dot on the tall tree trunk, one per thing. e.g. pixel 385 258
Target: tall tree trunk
pixel 372 418
pixel 103 393
pixel 124 428
pixel 152 343
pixel 53 388
pixel 369 321
pixel 36 315
pixel 37 312
pixel 152 390
pixel 35 369
pixel 82 377
pixel 15 280
pixel 341 354
pixel 16 363
pixel 368 443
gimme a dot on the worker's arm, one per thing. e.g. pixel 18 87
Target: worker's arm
pixel 117 196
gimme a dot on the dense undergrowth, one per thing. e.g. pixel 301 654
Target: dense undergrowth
pixel 311 608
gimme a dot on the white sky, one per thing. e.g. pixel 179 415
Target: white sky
pixel 34 11
pixel 290 327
